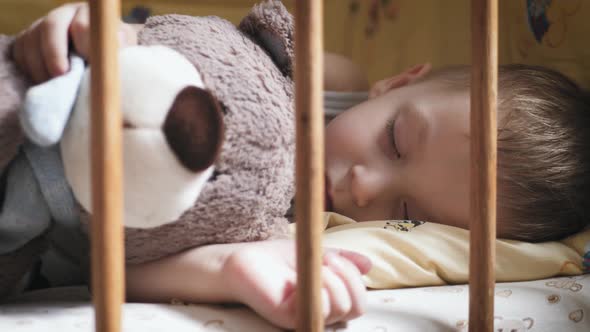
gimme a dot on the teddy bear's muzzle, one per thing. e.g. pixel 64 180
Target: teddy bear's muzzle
pixel 173 131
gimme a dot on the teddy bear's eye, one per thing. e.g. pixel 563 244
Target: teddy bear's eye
pixel 223 108
pixel 214 176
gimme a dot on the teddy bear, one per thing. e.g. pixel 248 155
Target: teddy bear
pixel 208 141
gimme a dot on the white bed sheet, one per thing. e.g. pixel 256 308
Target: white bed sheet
pixel 558 304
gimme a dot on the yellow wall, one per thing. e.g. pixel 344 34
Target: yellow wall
pixel 564 47
pixel 18 14
pixel 408 32
pixel 438 31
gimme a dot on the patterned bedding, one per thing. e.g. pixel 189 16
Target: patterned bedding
pixel 557 304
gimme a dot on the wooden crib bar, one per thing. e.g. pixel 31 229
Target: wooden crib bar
pixel 310 176
pixel 108 271
pixel 484 81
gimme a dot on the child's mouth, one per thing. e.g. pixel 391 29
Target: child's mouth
pixel 328 204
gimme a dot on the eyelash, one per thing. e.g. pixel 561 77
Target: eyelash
pixel 391 134
pixel 406 216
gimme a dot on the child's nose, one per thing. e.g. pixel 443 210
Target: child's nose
pixel 365 185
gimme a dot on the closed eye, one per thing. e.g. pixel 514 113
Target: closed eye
pixel 390 128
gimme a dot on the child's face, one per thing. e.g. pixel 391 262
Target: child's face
pixel 427 178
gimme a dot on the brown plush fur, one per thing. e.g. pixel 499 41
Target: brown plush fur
pixel 253 185
pixel 12 88
pixel 270 20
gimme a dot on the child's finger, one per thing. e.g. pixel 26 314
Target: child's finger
pixel 80 31
pixel 287 310
pixel 338 295
pixel 326 302
pixel 33 57
pixel 18 52
pixel 362 262
pixel 127 35
pixel 54 39
pixel 351 278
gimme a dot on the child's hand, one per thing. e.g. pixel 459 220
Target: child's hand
pixel 263 276
pixel 41 51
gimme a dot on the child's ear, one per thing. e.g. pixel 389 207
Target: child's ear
pixel 407 77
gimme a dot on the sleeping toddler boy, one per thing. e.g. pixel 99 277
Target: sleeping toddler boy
pixel 403 154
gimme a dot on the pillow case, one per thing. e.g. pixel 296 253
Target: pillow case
pixel 415 253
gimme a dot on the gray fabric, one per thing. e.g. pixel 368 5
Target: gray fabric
pixel 63 270
pixel 25 215
pixel 36 193
pixel 69 246
pixel 15 265
pixel 48 169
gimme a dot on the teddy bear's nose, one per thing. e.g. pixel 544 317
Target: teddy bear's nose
pixel 194 128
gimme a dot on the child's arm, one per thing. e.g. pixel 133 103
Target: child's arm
pixel 194 275
pixel 342 74
pixel 261 275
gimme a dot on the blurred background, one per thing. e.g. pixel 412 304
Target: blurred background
pixel 386 36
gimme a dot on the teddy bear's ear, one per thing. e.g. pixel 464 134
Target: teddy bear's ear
pixel 194 128
pixel 270 25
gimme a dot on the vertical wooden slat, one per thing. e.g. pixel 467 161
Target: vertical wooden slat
pixel 309 162
pixel 107 200
pixel 484 80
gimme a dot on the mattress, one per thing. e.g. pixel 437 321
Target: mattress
pixel 557 304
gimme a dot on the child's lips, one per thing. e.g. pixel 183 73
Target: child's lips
pixel 328 204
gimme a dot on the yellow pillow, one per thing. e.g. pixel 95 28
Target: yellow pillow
pixel 413 254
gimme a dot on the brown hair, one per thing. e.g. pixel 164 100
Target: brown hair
pixel 543 151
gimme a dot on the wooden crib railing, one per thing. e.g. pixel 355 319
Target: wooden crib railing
pixel 108 272
pixel 484 83
pixel 107 251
